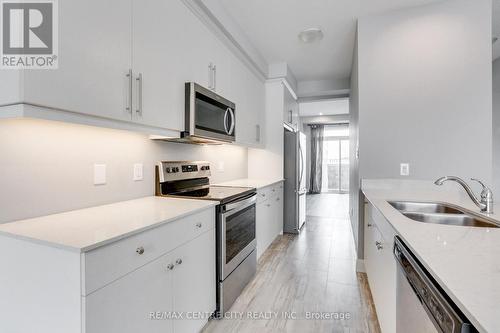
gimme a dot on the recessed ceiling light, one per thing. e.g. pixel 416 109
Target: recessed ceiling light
pixel 494 40
pixel 311 35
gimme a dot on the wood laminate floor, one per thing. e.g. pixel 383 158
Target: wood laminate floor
pixel 300 278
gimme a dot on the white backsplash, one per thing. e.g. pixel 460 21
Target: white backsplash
pixel 47 167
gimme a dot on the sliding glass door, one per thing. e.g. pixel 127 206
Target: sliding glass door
pixel 336 159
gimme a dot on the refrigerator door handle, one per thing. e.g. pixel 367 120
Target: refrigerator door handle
pixel 301 168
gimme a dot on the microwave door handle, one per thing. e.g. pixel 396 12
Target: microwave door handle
pixel 231 129
pixel 225 120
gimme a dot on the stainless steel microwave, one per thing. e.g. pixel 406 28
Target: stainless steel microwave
pixel 210 118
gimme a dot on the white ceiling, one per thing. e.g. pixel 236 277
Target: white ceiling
pixel 272 26
pixel 324 107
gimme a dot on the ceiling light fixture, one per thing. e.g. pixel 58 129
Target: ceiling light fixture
pixel 321 113
pixel 311 35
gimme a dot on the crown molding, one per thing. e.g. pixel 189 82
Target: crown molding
pixel 216 27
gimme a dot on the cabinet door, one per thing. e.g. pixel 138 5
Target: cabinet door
pixel 194 282
pixel 291 111
pixel 126 305
pixel 278 212
pixel 241 98
pixel 164 38
pixel 94 58
pixel 264 225
pixel 222 62
pixel 381 269
pixel 249 98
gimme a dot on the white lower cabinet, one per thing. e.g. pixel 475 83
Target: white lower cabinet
pixel 125 305
pixel 269 219
pixel 381 267
pixel 179 285
pixel 194 283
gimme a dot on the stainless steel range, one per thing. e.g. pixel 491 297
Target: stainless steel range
pixel 235 228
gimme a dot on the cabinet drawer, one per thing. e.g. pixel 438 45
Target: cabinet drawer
pixel 382 224
pixel 269 191
pixel 263 194
pixel 106 264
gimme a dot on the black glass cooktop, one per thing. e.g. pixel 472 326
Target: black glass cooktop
pixel 216 193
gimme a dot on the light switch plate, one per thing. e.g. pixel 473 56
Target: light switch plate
pixel 404 169
pixel 138 172
pixel 99 174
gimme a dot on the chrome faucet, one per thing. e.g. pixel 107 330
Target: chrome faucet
pixel 486 201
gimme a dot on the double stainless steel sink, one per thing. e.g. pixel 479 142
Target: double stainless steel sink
pixel 440 213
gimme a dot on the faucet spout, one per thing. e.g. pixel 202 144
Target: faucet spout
pixel 485 203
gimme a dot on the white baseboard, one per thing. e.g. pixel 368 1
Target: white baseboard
pixel 360 266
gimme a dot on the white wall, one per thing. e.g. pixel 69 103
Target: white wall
pixel 496 126
pixel 322 88
pixel 425 91
pixel 336 106
pixel 47 167
pixel 355 213
pixel 421 93
pixel 268 163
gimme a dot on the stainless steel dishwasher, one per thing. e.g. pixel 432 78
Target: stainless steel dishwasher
pixel 422 306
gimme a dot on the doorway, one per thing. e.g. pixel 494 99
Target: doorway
pixel 335 167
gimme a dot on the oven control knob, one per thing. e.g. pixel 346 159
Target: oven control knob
pixel 167 170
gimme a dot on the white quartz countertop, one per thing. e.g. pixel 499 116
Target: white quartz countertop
pixel 465 261
pixel 86 229
pixel 248 182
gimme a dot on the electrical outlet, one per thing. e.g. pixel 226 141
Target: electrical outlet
pixel 404 169
pixel 99 174
pixel 138 172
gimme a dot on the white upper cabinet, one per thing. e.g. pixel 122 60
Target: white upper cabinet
pixel 291 111
pixel 159 66
pixel 129 61
pixel 249 95
pixel 94 59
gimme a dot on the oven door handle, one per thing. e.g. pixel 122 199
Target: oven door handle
pixel 239 205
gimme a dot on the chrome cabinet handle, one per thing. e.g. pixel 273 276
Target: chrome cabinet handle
pixel 215 77
pixel 199 225
pixel 170 267
pixel 140 250
pixel 379 245
pixel 210 76
pixel 178 261
pixel 139 94
pixel 129 99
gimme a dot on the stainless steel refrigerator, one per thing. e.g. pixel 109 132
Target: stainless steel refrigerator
pixel 295 181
